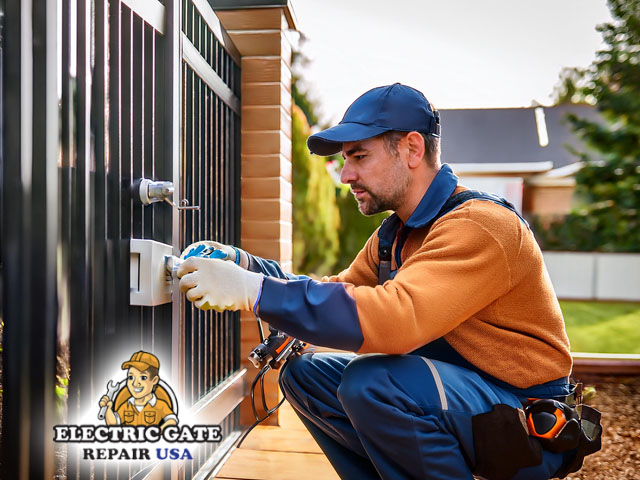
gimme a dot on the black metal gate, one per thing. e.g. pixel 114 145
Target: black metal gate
pixel 210 176
pixel 97 94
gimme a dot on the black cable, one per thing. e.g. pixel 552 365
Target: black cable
pixel 269 411
pixel 260 331
pixel 259 376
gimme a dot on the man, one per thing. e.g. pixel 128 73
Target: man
pixel 142 407
pixel 451 295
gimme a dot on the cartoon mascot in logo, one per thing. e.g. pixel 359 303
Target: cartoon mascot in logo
pixel 141 399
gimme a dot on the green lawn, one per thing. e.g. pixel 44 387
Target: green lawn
pixel 602 327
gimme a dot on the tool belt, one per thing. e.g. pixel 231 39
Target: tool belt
pixel 507 439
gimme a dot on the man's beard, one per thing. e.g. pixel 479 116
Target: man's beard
pixel 375 203
pixel 388 200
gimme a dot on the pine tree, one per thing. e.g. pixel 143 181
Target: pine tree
pixel 608 187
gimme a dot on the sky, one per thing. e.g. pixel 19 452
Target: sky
pixel 459 53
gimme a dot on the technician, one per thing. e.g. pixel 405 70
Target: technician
pixel 448 308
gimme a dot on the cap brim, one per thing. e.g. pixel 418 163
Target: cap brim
pixel 330 141
pixel 140 366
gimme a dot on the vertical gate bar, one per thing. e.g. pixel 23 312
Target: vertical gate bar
pixel 210 218
pixel 126 127
pixel 67 148
pixel 99 123
pixel 123 323
pixel 195 235
pixel 188 175
pixel 137 119
pixel 223 203
pixel 224 136
pixel 204 215
pixel 216 207
pixel 230 233
pixel 197 327
pixel 172 82
pixel 194 231
pixel 219 215
pixel 30 186
pixel 237 223
pixel 234 227
pixel 118 226
pixel 98 218
pixel 202 219
pixel 131 322
pixel 146 163
pixel 197 139
pixel 139 216
pixel 160 324
pixel 227 221
pixel 228 324
pixel 194 228
pixel 215 213
pixel 82 350
pixel 112 169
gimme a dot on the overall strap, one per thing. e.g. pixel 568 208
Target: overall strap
pixel 458 199
pixel 387 235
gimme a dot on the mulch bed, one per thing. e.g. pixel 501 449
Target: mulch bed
pixel 619 401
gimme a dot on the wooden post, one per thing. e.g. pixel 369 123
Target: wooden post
pixel 260 36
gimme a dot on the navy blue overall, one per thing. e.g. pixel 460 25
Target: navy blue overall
pixel 404 416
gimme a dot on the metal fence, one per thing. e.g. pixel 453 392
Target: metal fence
pixel 94 96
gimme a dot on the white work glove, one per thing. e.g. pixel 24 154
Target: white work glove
pixel 219 285
pixel 224 252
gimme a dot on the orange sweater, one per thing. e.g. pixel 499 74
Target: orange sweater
pixel 476 278
pixel 472 290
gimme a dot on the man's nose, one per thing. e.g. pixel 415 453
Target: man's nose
pixel 348 173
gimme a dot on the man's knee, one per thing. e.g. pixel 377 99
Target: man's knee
pixel 401 380
pixel 360 376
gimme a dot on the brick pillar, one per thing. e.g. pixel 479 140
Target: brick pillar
pixel 259 35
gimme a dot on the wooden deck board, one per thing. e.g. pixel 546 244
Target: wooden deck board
pixel 281 439
pixel 284 452
pixel 288 418
pixel 269 465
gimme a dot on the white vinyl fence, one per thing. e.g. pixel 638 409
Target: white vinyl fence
pixel 594 276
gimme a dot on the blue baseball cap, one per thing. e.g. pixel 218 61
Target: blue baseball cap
pixel 382 109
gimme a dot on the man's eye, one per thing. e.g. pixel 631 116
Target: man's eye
pixel 131 378
pixel 143 377
pixel 359 157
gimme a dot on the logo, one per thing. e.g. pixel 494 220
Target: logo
pixel 139 409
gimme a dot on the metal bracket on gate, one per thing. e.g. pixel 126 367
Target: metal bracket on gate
pixel 148 283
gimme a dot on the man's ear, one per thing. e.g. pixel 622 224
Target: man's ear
pixel 415 144
pixel 155 380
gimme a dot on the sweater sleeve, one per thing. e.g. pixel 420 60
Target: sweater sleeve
pixel 459 270
pixel 270 268
pixel 322 313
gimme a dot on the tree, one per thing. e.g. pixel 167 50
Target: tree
pixel 608 188
pixel 328 228
pixel 316 218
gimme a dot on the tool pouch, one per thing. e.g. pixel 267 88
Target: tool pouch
pixel 589 441
pixel 502 443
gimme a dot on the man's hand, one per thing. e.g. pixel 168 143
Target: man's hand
pixel 218 284
pixel 109 416
pixel 223 252
pixel 106 402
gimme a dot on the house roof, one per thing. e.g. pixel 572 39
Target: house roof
pixel 511 135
